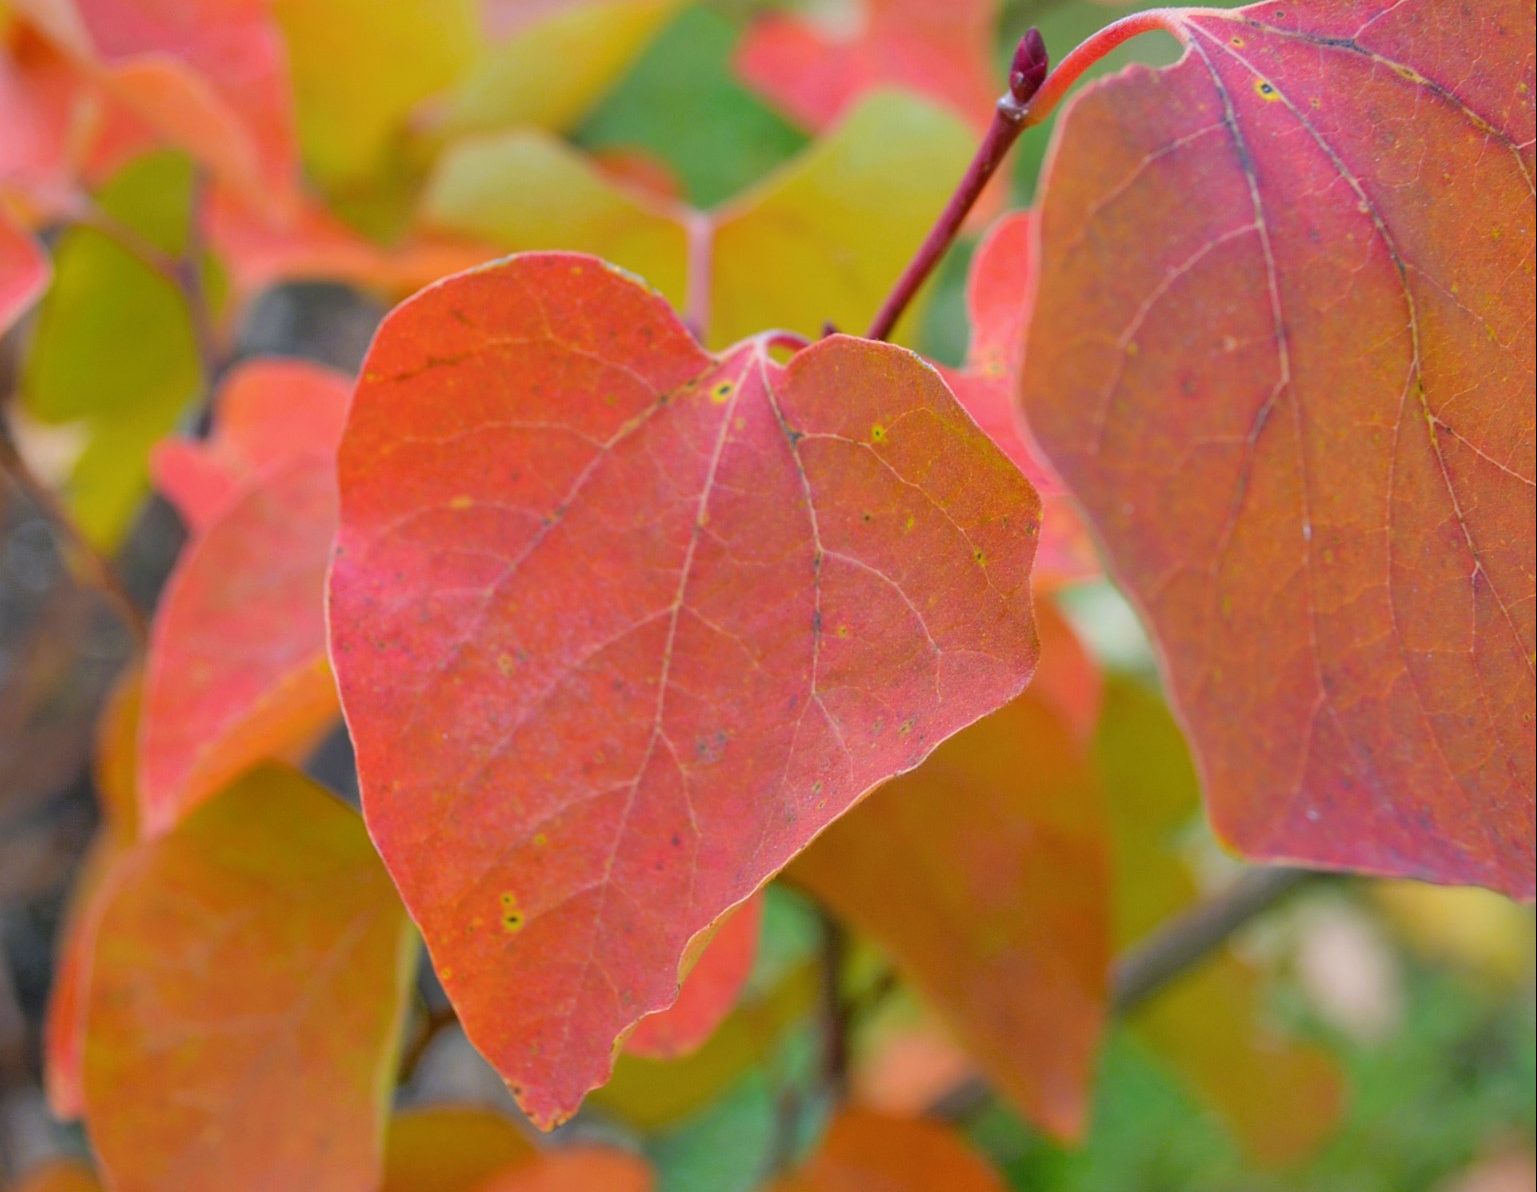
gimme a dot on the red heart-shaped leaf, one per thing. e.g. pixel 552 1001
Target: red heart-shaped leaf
pixel 620 626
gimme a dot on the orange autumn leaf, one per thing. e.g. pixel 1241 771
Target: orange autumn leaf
pixel 579 559
pixel 575 1169
pixel 708 991
pixel 59 1175
pixel 237 670
pixel 866 1151
pixel 114 770
pixel 1068 677
pixel 1282 351
pixel 984 874
pixel 252 963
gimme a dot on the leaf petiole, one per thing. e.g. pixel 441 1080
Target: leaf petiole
pixel 1090 51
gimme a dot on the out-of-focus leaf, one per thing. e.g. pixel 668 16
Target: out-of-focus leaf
pixel 237 670
pixel 24 271
pixel 59 1175
pixel 652 1094
pixel 253 965
pixel 730 139
pixel 815 73
pixel 316 246
pixel 107 305
pixel 997 301
pixel 1068 676
pixel 1475 929
pixel 450 1148
pixel 527 190
pixel 985 874
pixel 865 1151
pixel 1278 1095
pixel 361 67
pixel 116 763
pixel 266 413
pixel 822 239
pixel 574 1169
pixel 209 76
pixel 546 64
pixel 708 991
pixel 39 98
pixel 825 237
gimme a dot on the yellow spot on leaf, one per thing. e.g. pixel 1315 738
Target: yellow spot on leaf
pixel 1266 90
pixel 512 915
pixel 910 522
pixel 461 502
pixel 722 393
pixel 877 433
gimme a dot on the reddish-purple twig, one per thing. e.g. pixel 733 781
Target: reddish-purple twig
pixel 1025 78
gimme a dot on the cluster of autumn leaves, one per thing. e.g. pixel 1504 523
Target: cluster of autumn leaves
pixel 235 937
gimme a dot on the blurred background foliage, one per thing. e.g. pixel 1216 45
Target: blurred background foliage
pixel 1420 998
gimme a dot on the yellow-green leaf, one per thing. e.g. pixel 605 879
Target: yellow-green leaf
pixel 361 67
pixel 528 190
pixel 114 349
pixel 820 240
pixel 547 72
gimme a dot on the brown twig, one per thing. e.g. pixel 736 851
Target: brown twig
pixel 1185 941
pixel 436 1020
pixel 836 1015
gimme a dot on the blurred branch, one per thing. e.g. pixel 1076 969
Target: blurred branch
pixel 84 213
pixel 436 1020
pixel 94 567
pixel 837 1019
pixel 1188 939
